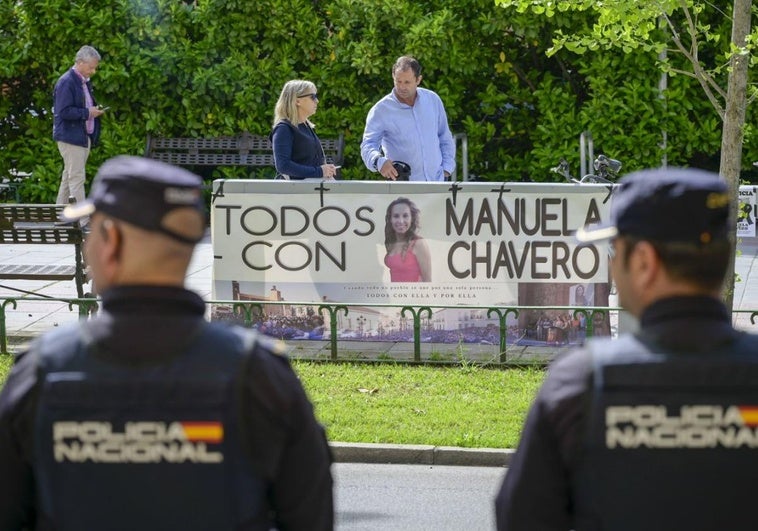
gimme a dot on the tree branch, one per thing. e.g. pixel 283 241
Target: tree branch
pixel 712 90
pixel 699 70
pixel 680 72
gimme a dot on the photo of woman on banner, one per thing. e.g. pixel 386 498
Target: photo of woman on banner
pixel 581 296
pixel 408 257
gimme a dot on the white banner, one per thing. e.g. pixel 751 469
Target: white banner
pixel 746 212
pixel 473 243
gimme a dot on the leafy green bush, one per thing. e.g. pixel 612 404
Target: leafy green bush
pixel 212 67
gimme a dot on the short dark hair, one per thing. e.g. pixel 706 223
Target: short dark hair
pixel 407 62
pixel 700 265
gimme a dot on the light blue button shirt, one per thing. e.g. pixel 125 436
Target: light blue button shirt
pixel 418 135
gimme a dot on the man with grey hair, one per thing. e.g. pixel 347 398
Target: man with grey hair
pixel 76 125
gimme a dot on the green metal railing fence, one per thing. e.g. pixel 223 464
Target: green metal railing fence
pixel 248 312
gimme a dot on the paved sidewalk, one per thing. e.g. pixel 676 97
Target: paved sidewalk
pixel 31 318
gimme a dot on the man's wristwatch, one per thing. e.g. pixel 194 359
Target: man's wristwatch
pixel 376 162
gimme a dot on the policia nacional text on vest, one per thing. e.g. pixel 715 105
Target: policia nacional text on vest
pixel 156 446
pixel 672 440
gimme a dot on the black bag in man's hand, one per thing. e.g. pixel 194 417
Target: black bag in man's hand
pixel 403 170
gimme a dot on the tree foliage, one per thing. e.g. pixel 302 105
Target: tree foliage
pixel 211 67
pixel 689 38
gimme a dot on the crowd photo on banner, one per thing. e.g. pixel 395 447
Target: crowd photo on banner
pixel 365 243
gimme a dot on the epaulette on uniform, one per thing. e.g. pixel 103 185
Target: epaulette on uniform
pixel 273 345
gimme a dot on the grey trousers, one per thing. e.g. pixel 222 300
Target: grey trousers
pixel 72 178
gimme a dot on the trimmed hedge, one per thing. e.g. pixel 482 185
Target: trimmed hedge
pixel 213 67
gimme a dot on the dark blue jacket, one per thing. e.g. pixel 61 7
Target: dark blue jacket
pixel 159 421
pixel 651 431
pixel 297 151
pixel 71 112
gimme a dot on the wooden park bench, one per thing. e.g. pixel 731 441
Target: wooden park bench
pixel 245 150
pixel 40 224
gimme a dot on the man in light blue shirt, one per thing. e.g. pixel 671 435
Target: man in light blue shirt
pixel 409 125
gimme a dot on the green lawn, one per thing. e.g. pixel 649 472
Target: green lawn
pixel 5 366
pixel 394 403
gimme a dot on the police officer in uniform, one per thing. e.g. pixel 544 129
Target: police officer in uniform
pixel 148 417
pixel 655 430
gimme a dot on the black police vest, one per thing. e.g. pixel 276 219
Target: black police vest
pixel 145 448
pixel 672 439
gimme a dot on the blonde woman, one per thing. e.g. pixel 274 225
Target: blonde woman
pixel 297 148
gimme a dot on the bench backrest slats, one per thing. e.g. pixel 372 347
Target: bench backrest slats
pixel 36 224
pixel 30 213
pixel 33 236
pixel 40 224
pixel 214 159
pixel 243 150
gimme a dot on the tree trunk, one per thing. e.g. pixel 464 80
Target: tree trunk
pixel 733 127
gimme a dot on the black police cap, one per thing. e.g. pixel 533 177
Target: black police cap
pixel 667 205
